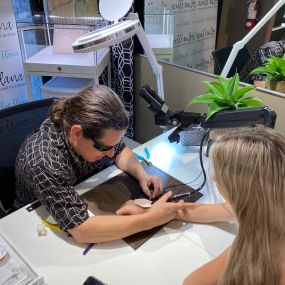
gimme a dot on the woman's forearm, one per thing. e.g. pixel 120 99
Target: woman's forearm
pixel 206 213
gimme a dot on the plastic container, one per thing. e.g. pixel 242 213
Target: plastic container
pixel 64 86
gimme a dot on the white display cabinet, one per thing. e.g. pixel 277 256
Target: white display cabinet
pixel 159 28
pixel 46 49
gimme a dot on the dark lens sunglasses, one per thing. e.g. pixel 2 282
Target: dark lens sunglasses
pixel 101 147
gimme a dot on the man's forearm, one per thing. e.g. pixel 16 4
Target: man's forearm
pixel 104 228
pixel 206 213
pixel 128 162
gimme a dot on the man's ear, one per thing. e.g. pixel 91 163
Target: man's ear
pixel 75 133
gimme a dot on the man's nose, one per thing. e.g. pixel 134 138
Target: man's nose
pixel 110 153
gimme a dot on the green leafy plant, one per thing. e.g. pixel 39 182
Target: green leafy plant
pixel 226 95
pixel 274 69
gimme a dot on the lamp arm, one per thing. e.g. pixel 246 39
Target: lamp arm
pixel 240 44
pixel 156 68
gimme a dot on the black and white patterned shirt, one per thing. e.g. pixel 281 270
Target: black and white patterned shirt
pixel 47 169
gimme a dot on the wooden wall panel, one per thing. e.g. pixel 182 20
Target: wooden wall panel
pixel 232 24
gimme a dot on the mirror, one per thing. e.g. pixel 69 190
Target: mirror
pixel 194 28
pixel 113 11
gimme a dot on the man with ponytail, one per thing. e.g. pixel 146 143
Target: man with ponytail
pixel 83 135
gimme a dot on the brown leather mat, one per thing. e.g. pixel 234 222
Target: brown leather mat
pixel 107 198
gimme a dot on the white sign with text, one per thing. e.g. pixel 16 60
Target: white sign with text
pixel 194 31
pixel 12 81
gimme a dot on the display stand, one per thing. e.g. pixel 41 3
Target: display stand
pixel 46 63
pixel 159 29
pixel 46 50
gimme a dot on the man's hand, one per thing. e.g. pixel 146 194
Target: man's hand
pixel 127 161
pixel 151 185
pixel 162 211
pixel 159 213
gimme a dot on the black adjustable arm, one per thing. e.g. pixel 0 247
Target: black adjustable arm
pixel 241 118
pixel 224 119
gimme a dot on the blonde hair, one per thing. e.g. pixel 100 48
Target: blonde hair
pixel 249 170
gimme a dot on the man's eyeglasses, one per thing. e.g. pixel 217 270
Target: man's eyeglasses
pixel 102 147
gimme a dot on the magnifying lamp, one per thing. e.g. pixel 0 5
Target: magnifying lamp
pixel 118 32
pixel 239 45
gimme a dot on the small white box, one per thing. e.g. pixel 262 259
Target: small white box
pixel 15 268
pixel 64 86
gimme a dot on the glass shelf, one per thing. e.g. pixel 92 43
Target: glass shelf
pixel 54 33
pixel 159 29
pixel 53 19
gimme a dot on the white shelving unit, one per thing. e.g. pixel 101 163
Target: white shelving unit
pixel 47 63
pixel 46 49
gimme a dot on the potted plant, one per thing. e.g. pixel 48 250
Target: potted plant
pixel 225 94
pixel 274 69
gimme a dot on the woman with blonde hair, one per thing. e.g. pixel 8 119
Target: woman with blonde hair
pixel 249 171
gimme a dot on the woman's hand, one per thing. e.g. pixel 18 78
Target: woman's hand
pixel 151 185
pixel 130 208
